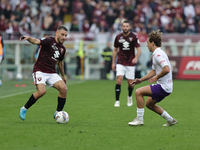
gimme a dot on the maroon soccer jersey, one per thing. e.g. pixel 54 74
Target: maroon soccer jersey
pixel 126 45
pixel 50 53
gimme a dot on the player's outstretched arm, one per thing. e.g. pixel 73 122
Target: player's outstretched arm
pixel 30 39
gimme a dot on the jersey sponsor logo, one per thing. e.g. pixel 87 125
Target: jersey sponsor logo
pixel 54 46
pixel 162 61
pixel 121 40
pixel 126 46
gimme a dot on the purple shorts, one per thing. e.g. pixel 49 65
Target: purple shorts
pixel 158 92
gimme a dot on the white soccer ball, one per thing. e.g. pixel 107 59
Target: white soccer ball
pixel 62 117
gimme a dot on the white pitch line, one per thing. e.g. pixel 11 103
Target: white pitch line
pixel 31 91
pixel 17 94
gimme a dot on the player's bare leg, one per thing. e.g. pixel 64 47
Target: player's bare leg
pixel 41 90
pixel 118 90
pixel 62 88
pixel 151 104
pixel 139 94
pixel 130 91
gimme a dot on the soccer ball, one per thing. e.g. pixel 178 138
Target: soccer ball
pixel 62 117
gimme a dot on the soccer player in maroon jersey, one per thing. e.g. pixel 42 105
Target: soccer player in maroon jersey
pixel 125 43
pixel 44 72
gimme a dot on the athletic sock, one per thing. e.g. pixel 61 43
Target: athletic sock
pixel 30 102
pixel 140 113
pixel 61 103
pixel 117 91
pixel 166 116
pixel 130 91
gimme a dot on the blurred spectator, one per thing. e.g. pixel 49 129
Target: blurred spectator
pixel 190 22
pixel 35 28
pixel 170 27
pixel 23 30
pixel 164 21
pixel 179 9
pixel 56 15
pixel 110 18
pixel 77 6
pixel 94 30
pixel 57 24
pixel 18 13
pixel 25 22
pixel 128 10
pixel 189 9
pixel 74 26
pixel 2 23
pixel 45 8
pixel 103 27
pixel 115 9
pixel 138 12
pixel 146 9
pixel 118 21
pixel 198 27
pixel 97 12
pixel 182 28
pixel 88 8
pixel 23 5
pixel 154 14
pixel 159 7
pixel 16 33
pixel 197 12
pixel 48 21
pixel 7 12
pixel 9 31
pixel 81 17
pixel 86 26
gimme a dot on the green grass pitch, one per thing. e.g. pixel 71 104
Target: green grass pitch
pixel 95 124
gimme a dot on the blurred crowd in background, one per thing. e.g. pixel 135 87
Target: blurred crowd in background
pixel 31 17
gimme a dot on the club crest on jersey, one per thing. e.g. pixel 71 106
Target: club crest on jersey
pixel 61 50
pixel 130 38
pixel 39 79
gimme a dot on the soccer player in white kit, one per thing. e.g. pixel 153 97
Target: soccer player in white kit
pixel 162 73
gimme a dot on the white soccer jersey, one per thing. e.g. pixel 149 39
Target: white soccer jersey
pixel 160 59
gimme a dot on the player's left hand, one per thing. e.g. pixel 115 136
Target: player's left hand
pixel 134 61
pixel 22 38
pixel 64 79
pixel 153 79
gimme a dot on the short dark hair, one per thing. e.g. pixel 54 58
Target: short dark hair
pixel 126 22
pixel 62 28
pixel 155 36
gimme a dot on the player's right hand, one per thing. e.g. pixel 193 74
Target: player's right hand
pixel 113 67
pixel 22 38
pixel 136 81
